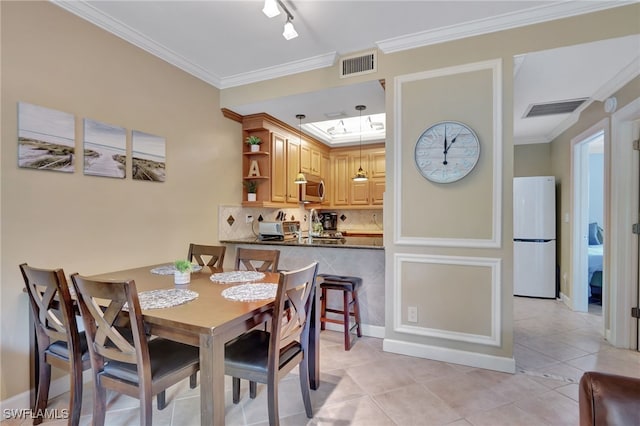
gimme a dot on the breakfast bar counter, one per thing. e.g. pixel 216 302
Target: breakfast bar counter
pixel 359 256
pixel 348 242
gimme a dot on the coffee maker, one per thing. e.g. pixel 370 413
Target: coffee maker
pixel 329 221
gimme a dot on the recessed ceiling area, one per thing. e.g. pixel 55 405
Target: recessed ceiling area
pixel 331 108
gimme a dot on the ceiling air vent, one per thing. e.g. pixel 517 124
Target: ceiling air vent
pixel 358 65
pixel 552 108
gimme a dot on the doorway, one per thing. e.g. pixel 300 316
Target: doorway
pixel 588 217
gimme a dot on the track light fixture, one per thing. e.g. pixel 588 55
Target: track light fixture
pixel 361 175
pixel 271 9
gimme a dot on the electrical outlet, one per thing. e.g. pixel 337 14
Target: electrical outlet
pixel 248 218
pixel 412 314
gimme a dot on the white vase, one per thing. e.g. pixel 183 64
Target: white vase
pixel 255 148
pixel 251 196
pixel 182 277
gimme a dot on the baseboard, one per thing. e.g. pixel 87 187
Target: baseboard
pixel 367 330
pixel 455 356
pixel 58 387
pixel 566 300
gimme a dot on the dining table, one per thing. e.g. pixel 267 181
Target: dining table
pixel 209 321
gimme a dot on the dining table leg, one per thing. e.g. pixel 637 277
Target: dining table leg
pixel 212 410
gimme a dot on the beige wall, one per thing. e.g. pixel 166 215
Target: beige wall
pixel 561 168
pixel 532 160
pixel 92 224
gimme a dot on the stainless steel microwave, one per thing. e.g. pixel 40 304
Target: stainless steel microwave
pixel 312 191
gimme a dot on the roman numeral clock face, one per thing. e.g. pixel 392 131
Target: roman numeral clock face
pixel 447 152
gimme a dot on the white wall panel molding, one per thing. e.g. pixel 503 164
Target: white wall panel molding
pixel 494 264
pixel 495 241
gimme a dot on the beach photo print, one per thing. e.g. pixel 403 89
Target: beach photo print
pixel 148 155
pixel 105 149
pixel 46 138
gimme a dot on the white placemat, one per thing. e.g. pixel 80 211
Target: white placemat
pixel 236 276
pixel 170 269
pixel 250 292
pixel 166 298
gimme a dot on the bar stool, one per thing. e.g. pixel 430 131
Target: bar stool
pixel 347 285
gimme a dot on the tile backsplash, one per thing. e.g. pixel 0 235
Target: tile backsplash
pixel 233 224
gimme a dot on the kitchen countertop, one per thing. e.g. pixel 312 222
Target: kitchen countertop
pixel 369 242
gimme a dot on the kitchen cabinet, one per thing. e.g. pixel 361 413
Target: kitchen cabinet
pixel 345 163
pixel 341 179
pixel 310 159
pixel 278 168
pixel 283 153
pixel 293 166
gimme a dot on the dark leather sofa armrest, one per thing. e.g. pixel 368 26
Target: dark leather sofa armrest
pixel 609 399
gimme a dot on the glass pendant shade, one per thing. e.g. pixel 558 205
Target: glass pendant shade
pixel 300 179
pixel 361 176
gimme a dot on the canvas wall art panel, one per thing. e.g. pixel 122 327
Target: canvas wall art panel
pixel 148 156
pixel 105 149
pixel 46 138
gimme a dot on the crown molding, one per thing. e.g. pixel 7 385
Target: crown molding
pixel 489 25
pixel 295 67
pixel 89 13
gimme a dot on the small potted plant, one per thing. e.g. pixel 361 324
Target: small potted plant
pixel 182 274
pixel 252 188
pixel 254 143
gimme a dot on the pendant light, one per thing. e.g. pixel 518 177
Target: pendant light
pixel 300 179
pixel 361 175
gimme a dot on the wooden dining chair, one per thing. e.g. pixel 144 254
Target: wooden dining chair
pixel 59 342
pixel 265 356
pixel 215 255
pixel 142 368
pixel 257 260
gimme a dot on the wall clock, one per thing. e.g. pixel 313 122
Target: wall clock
pixel 447 151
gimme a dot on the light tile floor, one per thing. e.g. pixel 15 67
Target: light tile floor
pixel 366 386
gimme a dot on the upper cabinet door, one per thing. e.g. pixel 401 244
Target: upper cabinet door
pixel 377 163
pixel 293 166
pixel 278 168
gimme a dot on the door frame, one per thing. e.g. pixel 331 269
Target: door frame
pixel 580 214
pixel 623 248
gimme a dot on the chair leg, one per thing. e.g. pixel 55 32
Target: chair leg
pixel 75 393
pixel 236 390
pixel 272 400
pixel 356 311
pixel 44 381
pixel 253 386
pixel 323 307
pixel 193 381
pixel 304 386
pixel 146 410
pixel 162 402
pixel 99 403
pixel 345 316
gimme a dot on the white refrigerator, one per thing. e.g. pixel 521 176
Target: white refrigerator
pixel 534 236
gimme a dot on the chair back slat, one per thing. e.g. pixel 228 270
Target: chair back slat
pixel 293 306
pixel 257 260
pixel 200 253
pixel 50 302
pixel 105 340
